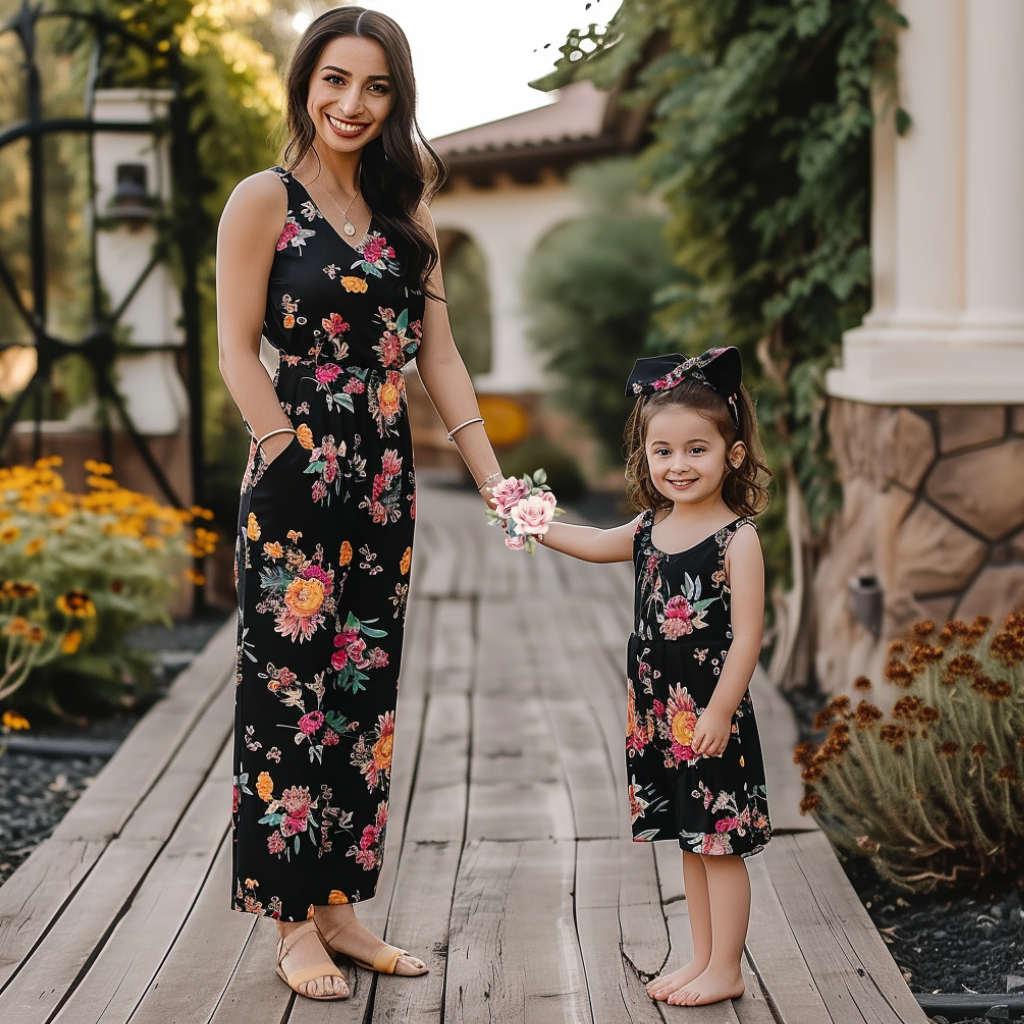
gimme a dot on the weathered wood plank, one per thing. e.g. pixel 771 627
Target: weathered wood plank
pixel 127 962
pixel 195 973
pixel 513 953
pixel 775 955
pixel 34 895
pixel 853 971
pixel 621 929
pixel 255 994
pixel 127 777
pixel 452 647
pixel 44 978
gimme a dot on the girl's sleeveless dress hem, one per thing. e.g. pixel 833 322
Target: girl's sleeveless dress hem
pixel 682 634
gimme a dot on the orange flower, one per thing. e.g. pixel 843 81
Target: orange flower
pixel 304 435
pixel 71 642
pixel 406 561
pixel 336 898
pixel 18 626
pixel 33 547
pixel 252 530
pixel 12 720
pixel 265 787
pixel 382 752
pixel 9 534
pixel 389 395
pixel 683 725
pixel 304 597
pixel 273 550
pixel 35 634
pixel 346 553
pixel 354 284
pixel 78 603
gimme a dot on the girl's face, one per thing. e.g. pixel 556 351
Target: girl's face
pixel 687 456
pixel 350 93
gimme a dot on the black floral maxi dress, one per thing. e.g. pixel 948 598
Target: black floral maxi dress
pixel 322 558
pixel 682 634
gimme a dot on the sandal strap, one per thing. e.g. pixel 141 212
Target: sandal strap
pixel 304 974
pixel 313 974
pixel 386 958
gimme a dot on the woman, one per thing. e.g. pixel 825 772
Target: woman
pixel 333 258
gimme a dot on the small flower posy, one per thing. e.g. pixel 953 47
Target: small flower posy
pixel 526 507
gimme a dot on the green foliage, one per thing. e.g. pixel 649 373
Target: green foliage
pixel 78 573
pixel 563 472
pixel 761 122
pixel 589 288
pixel 931 792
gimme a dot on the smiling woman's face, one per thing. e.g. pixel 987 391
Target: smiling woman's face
pixel 350 93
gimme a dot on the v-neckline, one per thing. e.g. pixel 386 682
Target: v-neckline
pixel 703 540
pixel 337 234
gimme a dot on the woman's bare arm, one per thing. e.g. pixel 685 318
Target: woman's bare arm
pixel 246 242
pixel 591 544
pixel 447 380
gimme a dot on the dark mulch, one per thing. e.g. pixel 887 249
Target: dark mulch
pixel 37 791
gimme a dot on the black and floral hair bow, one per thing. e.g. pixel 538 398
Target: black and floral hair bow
pixel 719 368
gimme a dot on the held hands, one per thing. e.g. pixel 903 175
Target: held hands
pixel 711 733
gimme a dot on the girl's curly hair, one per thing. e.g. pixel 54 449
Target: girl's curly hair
pixel 745 488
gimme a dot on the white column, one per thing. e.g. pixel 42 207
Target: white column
pixel 948 218
pixel 995 164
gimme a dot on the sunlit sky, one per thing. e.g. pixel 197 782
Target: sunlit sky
pixel 473 58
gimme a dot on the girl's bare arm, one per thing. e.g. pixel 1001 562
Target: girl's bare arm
pixel 591 544
pixel 447 380
pixel 246 242
pixel 745 569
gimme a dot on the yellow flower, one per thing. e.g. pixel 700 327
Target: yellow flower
pixel 304 435
pixel 9 534
pixel 682 727
pixel 34 546
pixel 18 588
pixel 406 561
pixel 265 787
pixel 253 529
pixel 18 626
pixel 195 577
pixel 76 602
pixel 273 550
pixel 35 634
pixel 12 720
pixel 336 897
pixel 354 284
pixel 304 597
pixel 58 508
pixel 71 642
pixel 346 553
pixel 93 466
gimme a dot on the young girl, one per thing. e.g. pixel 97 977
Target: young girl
pixel 694 763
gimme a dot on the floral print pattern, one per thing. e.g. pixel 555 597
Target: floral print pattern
pixel 323 554
pixel 682 633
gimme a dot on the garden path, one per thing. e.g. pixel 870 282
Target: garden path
pixel 509 868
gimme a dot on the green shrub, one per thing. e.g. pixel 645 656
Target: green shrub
pixel 564 475
pixel 77 574
pixel 930 791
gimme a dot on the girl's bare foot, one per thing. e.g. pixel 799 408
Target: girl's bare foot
pixel 662 987
pixel 711 986
pixel 344 933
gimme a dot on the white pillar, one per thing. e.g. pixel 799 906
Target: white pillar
pixel 947 326
pixel 995 164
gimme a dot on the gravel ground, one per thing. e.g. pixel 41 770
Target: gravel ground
pixel 37 791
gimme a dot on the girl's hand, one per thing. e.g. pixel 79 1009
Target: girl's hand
pixel 711 733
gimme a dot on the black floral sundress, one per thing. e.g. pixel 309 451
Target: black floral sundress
pixel 322 564
pixel 682 634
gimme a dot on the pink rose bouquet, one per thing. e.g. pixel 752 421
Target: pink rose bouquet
pixel 526 508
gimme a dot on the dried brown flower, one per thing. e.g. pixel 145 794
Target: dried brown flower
pixel 862 683
pixel 948 749
pixel 809 803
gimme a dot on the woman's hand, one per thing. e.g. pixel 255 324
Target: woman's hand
pixel 711 733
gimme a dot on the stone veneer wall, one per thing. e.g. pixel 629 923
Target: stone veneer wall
pixel 933 506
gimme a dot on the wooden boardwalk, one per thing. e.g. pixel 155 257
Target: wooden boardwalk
pixel 508 867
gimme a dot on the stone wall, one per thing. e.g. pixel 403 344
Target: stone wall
pixel 933 510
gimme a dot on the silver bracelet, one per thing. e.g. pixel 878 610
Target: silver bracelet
pixel 487 479
pixel 455 430
pixel 271 433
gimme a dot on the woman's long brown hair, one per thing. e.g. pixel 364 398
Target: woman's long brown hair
pixel 744 489
pixel 399 168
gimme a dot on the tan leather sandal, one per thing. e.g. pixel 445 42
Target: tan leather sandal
pixel 298 981
pixel 385 960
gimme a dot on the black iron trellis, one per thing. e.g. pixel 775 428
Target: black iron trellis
pixel 99 346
